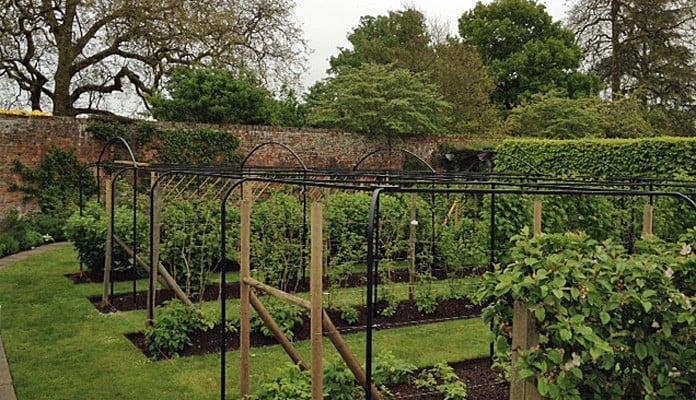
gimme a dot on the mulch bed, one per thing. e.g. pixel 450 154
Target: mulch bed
pixel 406 314
pixel 130 302
pixel 482 383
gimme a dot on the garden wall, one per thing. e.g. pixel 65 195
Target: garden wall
pixel 27 139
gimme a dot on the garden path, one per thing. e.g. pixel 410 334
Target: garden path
pixel 6 388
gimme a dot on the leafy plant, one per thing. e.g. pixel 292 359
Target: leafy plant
pixel 387 370
pixel 441 378
pixel 171 329
pixel 286 316
pixel 611 325
pixel 426 299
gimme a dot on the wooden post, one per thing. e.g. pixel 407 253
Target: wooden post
pixel 537 216
pixel 412 249
pixel 648 211
pixel 155 243
pixel 245 323
pixel 524 337
pixel 329 329
pixel 295 355
pixel 315 283
pixel 109 243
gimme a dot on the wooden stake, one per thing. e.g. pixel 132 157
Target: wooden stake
pixel 537 216
pixel 163 275
pixel 295 355
pixel 287 297
pixel 315 279
pixel 648 212
pixel 245 323
pixel 347 355
pixel 524 337
pixel 109 243
pixel 329 329
pixel 155 243
pixel 412 249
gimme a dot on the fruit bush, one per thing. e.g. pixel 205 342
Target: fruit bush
pixel 611 325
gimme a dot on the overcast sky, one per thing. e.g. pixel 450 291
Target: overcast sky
pixel 326 23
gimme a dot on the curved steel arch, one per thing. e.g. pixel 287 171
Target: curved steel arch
pixel 391 149
pixel 273 142
pixel 125 144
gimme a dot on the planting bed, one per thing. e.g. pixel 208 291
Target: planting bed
pixel 406 314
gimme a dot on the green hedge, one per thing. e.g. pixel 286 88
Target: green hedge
pixel 650 157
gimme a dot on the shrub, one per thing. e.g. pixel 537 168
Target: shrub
pixel 442 378
pixel 611 325
pixel 286 316
pixel 175 321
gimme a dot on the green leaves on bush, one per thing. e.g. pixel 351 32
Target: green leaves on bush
pixel 611 325
pixel 174 322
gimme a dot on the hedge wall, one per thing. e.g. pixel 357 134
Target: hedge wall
pixel 650 157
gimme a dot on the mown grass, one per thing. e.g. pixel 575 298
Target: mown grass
pixel 60 347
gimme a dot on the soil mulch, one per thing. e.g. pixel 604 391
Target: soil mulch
pixel 406 314
pixel 130 302
pixel 482 383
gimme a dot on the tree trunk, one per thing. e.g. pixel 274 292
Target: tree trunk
pixel 615 50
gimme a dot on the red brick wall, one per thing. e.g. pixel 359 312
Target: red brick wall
pixel 28 139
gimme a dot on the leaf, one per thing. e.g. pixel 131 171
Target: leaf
pixel 565 334
pixel 543 387
pixel 540 313
pixel 641 351
pixel 604 317
pixel 558 293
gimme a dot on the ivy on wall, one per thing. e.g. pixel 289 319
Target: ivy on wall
pixel 199 146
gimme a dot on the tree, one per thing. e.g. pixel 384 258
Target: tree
pixel 554 116
pixel 400 38
pixel 212 96
pixel 378 101
pixel 71 54
pixel 526 51
pixel 645 48
pixel 462 79
pixel 404 39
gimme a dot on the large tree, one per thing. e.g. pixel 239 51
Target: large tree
pixel 526 51
pixel 405 39
pixel 69 54
pixel 645 48
pixel 218 96
pixel 378 100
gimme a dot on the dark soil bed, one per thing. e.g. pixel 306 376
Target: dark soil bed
pixel 130 302
pixel 482 383
pixel 406 314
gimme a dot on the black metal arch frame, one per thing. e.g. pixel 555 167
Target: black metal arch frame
pixel 434 183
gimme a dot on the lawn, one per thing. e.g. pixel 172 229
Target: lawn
pixel 60 347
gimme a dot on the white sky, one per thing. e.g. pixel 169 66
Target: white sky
pixel 327 23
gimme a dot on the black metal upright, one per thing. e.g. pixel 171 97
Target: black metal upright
pixel 371 244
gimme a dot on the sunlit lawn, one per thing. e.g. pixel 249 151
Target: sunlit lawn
pixel 60 347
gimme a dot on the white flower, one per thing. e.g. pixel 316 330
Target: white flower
pixel 574 362
pixel 686 249
pixel 669 272
pixel 655 325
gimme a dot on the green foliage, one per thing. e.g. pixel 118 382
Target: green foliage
pixel 554 116
pixel 276 229
pixel 293 384
pixel 441 378
pixel 17 233
pixel 649 157
pixel 213 95
pixel 379 101
pixel 611 325
pixel 106 131
pixel 174 322
pixel 426 299
pixel 200 146
pixel 190 244
pixel 526 51
pixel 388 370
pixel 286 316
pixel 55 182
pixel 88 234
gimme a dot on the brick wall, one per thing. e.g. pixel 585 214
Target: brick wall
pixel 28 140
